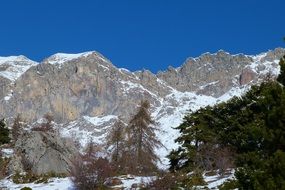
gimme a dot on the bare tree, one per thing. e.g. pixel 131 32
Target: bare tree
pixel 17 127
pixel 224 159
pixel 214 157
pixel 47 125
pixel 116 140
pixel 89 172
pixel 142 139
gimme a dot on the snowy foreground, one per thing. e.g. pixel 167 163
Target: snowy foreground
pixel 66 184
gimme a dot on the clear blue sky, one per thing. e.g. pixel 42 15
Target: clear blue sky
pixel 136 34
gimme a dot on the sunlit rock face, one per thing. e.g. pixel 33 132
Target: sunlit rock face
pixel 75 87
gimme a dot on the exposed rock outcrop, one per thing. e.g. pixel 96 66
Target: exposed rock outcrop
pixel 246 76
pixel 72 86
pixel 41 153
pixel 85 93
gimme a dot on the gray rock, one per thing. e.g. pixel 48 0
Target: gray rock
pixel 91 85
pixel 42 152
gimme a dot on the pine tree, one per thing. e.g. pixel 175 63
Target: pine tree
pixel 4 133
pixel 281 77
pixel 251 128
pixel 142 139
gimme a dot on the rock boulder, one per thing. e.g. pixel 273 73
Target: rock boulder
pixel 41 153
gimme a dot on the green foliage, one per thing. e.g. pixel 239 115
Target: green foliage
pixel 4 133
pixel 281 77
pixel 252 130
pixel 26 188
pixel 195 180
pixel 169 181
pixel 229 185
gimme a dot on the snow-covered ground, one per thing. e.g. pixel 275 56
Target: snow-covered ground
pixel 216 180
pixel 66 184
pixel 53 184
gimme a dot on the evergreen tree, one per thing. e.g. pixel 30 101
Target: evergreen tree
pixel 281 77
pixel 142 140
pixel 252 127
pixel 4 133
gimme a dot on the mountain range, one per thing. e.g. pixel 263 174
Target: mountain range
pixel 86 93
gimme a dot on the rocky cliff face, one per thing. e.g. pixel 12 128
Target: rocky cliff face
pixel 71 86
pixel 85 91
pixel 42 153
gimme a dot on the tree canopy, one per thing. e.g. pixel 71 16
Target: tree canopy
pixel 248 130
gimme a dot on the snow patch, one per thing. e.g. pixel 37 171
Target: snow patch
pixel 95 130
pixel 15 66
pixel 217 180
pixel 99 120
pixel 178 104
pixel 53 184
pixel 128 86
pixel 60 58
pixel 7 152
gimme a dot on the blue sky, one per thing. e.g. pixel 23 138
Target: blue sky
pixel 136 34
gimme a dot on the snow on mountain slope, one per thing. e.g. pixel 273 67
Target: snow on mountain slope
pixel 168 104
pixel 13 67
pixel 119 89
pixel 172 108
pixel 170 115
pixel 61 58
pixel 88 129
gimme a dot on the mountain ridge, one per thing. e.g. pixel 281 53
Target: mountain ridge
pixel 85 87
pixel 85 53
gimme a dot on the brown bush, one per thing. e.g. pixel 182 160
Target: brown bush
pixel 26 163
pixel 166 181
pixel 16 128
pixel 3 166
pixel 224 159
pixel 89 172
pixel 45 126
pixel 212 157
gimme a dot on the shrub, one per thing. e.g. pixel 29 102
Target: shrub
pixel 89 172
pixel 229 185
pixel 16 127
pixel 45 126
pixel 195 179
pixel 3 166
pixel 29 177
pixel 167 181
pixel 26 188
pixel 4 133
pixel 26 163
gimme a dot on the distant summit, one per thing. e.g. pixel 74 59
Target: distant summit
pixel 86 93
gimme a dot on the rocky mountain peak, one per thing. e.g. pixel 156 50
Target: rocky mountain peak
pixel 13 67
pixel 61 58
pixel 74 87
